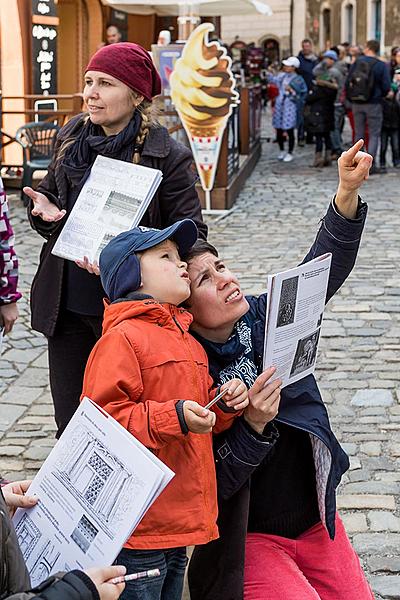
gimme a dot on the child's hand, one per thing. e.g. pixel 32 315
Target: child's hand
pixel 198 419
pixel 237 397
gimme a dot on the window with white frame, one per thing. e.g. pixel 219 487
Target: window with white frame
pixel 376 20
pixel 348 29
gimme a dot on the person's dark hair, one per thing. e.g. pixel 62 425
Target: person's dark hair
pixel 373 45
pixel 200 247
pixel 394 51
pixel 306 41
pixel 335 49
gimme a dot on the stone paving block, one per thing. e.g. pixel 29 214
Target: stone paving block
pixel 372 487
pixel 354 522
pixel 34 377
pixel 370 448
pixel 22 355
pixel 391 564
pixel 362 501
pixel 37 453
pixel 9 413
pixel 386 585
pixel 17 394
pixel 11 450
pixel 374 397
pixel 380 543
pixel 383 521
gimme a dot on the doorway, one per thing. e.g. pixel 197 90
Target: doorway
pixel 73 45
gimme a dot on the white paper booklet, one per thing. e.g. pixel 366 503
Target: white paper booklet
pixel 295 306
pixel 93 489
pixel 113 199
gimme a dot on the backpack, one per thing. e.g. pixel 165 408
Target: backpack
pixel 361 81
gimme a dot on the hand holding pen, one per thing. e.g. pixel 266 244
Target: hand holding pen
pixel 134 576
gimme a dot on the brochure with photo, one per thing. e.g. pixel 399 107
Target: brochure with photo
pixel 295 306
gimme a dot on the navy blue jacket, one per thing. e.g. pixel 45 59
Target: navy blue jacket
pixel 381 78
pixel 301 406
pixel 306 67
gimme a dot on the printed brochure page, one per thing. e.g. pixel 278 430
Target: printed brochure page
pixel 113 199
pixel 295 306
pixel 93 489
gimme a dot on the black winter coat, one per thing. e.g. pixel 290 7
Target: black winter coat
pixel 14 578
pixel 216 569
pixel 391 113
pixel 175 199
pixel 319 111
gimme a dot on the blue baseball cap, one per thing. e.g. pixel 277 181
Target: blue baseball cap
pixel 330 54
pixel 119 265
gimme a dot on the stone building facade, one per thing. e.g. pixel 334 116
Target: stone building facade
pixel 330 22
pixel 286 26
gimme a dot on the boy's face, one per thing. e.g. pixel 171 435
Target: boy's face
pixel 164 274
pixel 216 300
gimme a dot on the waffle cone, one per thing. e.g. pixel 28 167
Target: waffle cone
pixel 205 140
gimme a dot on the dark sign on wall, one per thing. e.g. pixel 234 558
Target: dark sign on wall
pixel 44 46
pixel 120 20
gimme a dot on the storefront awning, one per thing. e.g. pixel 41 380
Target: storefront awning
pixel 210 8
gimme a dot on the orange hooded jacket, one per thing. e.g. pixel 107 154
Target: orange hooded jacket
pixel 145 362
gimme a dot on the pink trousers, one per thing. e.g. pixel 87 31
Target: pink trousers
pixel 311 567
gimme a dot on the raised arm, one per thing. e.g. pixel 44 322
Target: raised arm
pixel 342 225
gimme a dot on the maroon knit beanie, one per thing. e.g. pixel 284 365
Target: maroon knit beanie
pixel 131 64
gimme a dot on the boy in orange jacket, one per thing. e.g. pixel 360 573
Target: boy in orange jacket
pixel 151 375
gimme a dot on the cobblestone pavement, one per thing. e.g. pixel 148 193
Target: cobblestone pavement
pixel 271 227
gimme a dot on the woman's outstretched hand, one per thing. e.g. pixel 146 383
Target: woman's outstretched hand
pixel 43 208
pixel 354 167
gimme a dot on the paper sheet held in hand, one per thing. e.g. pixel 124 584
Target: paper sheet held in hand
pixel 93 489
pixel 295 305
pixel 113 199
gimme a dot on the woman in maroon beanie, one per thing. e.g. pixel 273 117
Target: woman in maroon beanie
pixel 67 301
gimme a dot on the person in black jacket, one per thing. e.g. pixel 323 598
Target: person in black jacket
pixel 391 125
pixel 319 116
pixel 14 578
pixel 66 300
pixel 367 101
pixel 278 491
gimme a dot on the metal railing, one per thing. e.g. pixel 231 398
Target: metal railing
pixel 74 106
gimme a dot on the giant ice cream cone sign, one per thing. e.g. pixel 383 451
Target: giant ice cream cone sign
pixel 203 92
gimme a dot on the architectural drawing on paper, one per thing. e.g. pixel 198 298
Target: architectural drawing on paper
pixel 84 533
pixel 28 535
pixel 100 482
pixel 45 562
pixel 40 550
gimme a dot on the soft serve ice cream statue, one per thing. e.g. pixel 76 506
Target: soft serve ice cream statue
pixel 203 92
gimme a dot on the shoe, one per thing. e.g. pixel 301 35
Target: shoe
pixel 383 170
pixel 281 155
pixel 318 160
pixel 288 157
pixel 327 159
pixel 301 143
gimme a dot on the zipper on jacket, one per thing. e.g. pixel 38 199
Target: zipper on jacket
pixel 196 380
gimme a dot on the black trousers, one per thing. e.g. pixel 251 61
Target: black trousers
pixel 281 139
pixel 69 350
pixel 320 138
